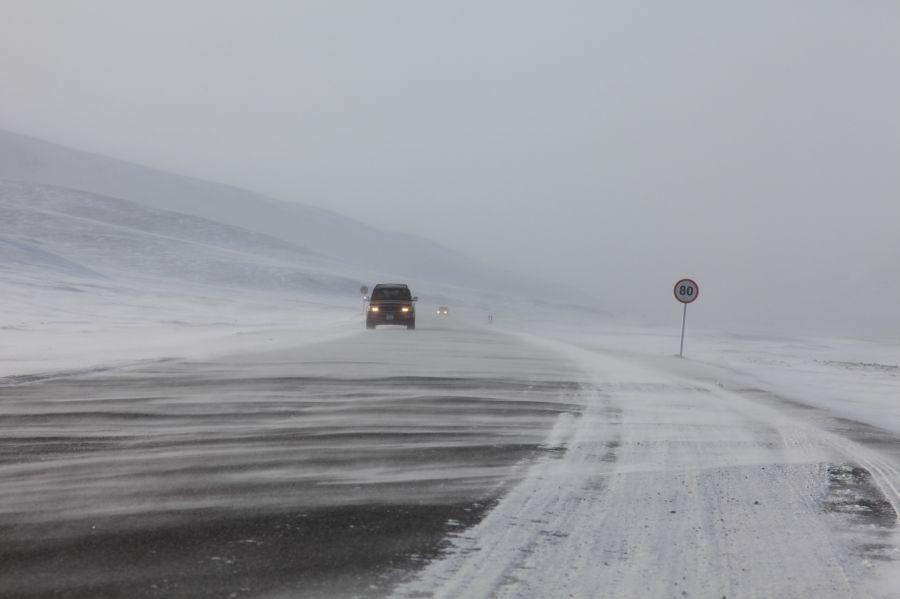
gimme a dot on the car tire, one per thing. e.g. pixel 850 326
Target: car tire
pixel 370 325
pixel 411 325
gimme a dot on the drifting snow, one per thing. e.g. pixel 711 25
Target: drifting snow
pixel 672 485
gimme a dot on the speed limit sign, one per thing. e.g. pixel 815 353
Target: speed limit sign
pixel 686 291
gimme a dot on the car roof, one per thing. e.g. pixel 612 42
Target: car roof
pixel 391 285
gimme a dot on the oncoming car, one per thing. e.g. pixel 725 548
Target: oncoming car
pixel 443 311
pixel 391 303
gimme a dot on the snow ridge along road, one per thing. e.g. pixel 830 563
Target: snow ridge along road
pixel 673 486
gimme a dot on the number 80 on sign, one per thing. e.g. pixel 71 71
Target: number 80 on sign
pixel 686 291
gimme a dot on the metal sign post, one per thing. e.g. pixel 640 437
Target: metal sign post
pixel 686 291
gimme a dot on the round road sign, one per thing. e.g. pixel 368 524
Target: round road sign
pixel 686 291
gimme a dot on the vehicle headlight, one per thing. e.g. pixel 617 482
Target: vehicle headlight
pixel 373 308
pixel 404 309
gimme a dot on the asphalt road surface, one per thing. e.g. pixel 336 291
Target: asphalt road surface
pixel 446 461
pixel 334 469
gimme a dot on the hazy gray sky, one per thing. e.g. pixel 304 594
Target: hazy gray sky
pixel 618 146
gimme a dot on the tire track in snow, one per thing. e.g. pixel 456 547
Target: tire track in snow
pixel 525 517
pixel 710 494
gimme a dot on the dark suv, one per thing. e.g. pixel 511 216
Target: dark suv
pixel 391 303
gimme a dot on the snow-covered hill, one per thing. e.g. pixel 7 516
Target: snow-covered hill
pixel 400 255
pixel 80 233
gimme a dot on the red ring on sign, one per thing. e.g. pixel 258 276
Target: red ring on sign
pixel 681 282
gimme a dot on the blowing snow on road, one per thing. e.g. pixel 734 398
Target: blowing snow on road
pixel 451 462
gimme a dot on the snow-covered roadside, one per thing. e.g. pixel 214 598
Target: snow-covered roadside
pixel 854 379
pixel 73 325
pixel 671 486
pixel 858 379
pixel 850 378
pixel 53 350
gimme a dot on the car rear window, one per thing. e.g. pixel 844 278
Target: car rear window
pixel 391 293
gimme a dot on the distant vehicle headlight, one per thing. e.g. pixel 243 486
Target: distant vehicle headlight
pixel 373 308
pixel 404 309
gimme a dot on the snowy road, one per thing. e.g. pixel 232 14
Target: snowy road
pixel 674 486
pixel 450 462
pixel 331 469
